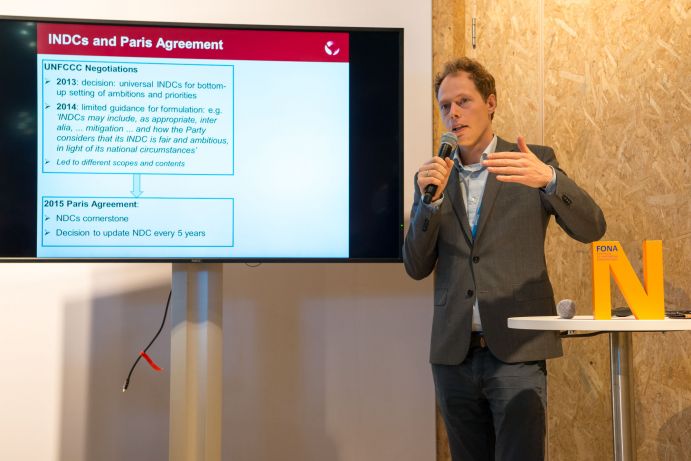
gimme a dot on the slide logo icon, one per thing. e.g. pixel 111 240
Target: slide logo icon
pixel 330 51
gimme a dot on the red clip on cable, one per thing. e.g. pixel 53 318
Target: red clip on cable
pixel 150 360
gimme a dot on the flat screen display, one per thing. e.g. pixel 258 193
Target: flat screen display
pixel 167 142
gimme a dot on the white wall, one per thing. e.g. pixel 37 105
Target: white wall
pixel 322 362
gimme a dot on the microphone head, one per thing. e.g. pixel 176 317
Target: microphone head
pixel 448 143
pixel 566 308
pixel 449 138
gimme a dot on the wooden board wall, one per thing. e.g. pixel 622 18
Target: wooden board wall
pixel 608 85
pixel 448 41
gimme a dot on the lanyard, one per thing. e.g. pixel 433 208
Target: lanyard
pixel 473 228
pixel 465 190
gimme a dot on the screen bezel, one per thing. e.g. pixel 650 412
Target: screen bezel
pixel 397 32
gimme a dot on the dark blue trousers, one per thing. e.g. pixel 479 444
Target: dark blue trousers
pixel 493 410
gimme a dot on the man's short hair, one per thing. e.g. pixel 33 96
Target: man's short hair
pixel 484 82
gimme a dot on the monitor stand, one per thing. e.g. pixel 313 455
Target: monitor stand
pixel 196 365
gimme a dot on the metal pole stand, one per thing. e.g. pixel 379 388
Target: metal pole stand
pixel 196 363
pixel 623 421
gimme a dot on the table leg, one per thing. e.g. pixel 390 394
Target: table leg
pixel 623 420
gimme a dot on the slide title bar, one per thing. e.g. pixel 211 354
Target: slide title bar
pixel 189 43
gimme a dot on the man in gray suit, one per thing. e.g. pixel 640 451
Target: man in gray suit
pixel 483 236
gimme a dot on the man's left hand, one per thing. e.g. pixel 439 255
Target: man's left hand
pixel 519 167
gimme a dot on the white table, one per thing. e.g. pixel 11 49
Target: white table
pixel 621 363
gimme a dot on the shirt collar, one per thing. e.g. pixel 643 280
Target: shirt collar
pixel 491 147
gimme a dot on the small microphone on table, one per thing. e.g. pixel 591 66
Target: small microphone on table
pixel 566 308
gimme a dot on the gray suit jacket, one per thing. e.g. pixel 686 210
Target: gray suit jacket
pixel 504 267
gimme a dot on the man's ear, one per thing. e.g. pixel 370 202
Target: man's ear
pixel 491 103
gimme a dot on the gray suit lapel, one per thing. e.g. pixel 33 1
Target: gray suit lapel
pixel 492 188
pixel 453 190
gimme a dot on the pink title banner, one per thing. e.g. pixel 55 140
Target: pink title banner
pixel 189 43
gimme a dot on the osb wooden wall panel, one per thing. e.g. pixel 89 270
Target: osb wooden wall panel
pixel 507 34
pixel 510 42
pixel 617 108
pixel 607 84
pixel 448 42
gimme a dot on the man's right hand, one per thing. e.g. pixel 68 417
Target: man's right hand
pixel 435 171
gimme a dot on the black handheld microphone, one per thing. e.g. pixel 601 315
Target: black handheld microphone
pixel 448 144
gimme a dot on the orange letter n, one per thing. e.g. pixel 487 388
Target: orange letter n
pixel 646 303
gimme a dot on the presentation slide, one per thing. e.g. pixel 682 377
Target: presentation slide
pixel 176 142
